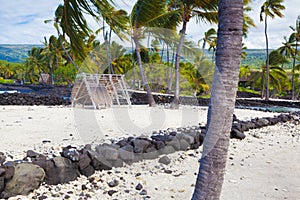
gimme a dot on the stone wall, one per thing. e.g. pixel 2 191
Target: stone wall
pixel 23 176
pixel 31 99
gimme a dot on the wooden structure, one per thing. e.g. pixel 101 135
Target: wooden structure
pixel 45 79
pixel 100 91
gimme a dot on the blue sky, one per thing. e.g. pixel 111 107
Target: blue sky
pixel 22 22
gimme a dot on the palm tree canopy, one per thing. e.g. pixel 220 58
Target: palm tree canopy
pixel 153 14
pixel 248 21
pixel 276 58
pixel 272 8
pixel 70 17
pixel 209 36
pixel 287 47
pixel 202 10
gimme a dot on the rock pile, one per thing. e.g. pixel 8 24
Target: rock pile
pixel 138 98
pixel 23 176
pixel 49 90
pixel 31 99
pixel 239 127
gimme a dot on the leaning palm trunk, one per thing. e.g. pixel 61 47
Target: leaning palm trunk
pixel 142 73
pixel 175 102
pixel 263 85
pixel 229 45
pixel 110 67
pixel 293 71
pixel 267 61
pixel 170 82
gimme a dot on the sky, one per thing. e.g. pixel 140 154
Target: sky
pixel 22 22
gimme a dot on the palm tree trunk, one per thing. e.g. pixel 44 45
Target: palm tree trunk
pixel 293 71
pixel 267 61
pixel 170 83
pixel 162 53
pixel 133 62
pixel 111 70
pixel 213 161
pixel 144 79
pixel 175 102
pixel 203 50
pixel 263 85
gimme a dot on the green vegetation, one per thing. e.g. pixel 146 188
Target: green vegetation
pixel 151 58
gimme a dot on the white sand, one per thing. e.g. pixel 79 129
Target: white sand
pixel 262 167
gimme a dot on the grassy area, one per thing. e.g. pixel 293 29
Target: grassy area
pixel 242 89
pixel 6 81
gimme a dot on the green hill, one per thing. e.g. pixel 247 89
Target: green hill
pixel 15 52
pixel 18 52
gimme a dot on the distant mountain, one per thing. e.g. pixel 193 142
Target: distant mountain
pixel 18 53
pixel 15 52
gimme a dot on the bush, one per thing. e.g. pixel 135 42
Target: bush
pixel 6 81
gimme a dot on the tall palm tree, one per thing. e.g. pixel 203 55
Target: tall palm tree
pixel 202 10
pixel 295 37
pixel 219 119
pixel 270 8
pixel 149 14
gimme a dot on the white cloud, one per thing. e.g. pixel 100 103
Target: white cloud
pixel 22 21
pixel 277 27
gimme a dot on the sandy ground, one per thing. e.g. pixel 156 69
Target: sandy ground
pixel 265 165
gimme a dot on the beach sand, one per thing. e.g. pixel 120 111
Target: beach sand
pixel 265 165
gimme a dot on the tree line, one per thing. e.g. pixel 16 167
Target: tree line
pixel 75 39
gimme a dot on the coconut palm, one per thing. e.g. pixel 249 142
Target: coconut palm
pixel 54 53
pixel 118 22
pixel 149 14
pixel 277 75
pixel 270 8
pixel 219 119
pixel 71 19
pixel 209 37
pixel 286 49
pixel 204 10
pixel 213 47
pixel 295 37
pixel 37 59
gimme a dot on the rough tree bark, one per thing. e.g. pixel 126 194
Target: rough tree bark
pixel 219 120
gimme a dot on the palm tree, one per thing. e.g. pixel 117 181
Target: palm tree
pixel 213 47
pixel 295 37
pixel 209 37
pixel 118 22
pixel 204 10
pixel 270 8
pixel 37 59
pixel 149 14
pixel 277 75
pixel 71 19
pixel 219 119
pixel 54 53
pixel 286 49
